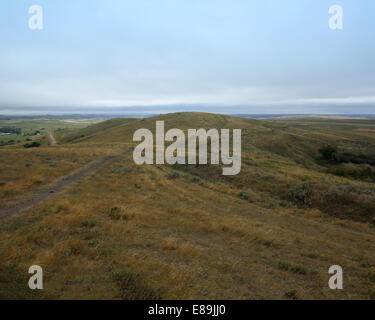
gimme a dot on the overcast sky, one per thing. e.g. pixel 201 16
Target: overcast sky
pixel 229 56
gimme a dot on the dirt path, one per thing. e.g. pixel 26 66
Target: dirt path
pixel 52 140
pixel 57 186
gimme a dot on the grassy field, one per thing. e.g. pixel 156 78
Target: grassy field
pixel 43 125
pixel 48 123
pixel 187 232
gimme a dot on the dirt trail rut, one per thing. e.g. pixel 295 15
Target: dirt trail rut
pixel 52 140
pixel 58 186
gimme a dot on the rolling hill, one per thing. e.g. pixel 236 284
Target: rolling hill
pixel 188 232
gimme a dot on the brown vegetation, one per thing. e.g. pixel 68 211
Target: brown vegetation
pixel 132 232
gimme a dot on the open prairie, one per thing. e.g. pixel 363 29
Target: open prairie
pixel 102 227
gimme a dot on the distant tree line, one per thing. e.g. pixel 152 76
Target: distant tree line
pixel 32 133
pixel 364 172
pixel 333 156
pixel 12 130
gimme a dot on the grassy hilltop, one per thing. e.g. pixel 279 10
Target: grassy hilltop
pixel 304 200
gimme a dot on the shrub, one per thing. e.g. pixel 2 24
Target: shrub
pixel 195 179
pixel 298 269
pixel 301 194
pixel 173 175
pixel 89 223
pixel 363 172
pixel 34 144
pixel 339 193
pixel 329 153
pixel 117 213
pixel 292 294
pixel 283 265
pixel 348 157
pixel 310 254
pixel 244 196
pixel 250 196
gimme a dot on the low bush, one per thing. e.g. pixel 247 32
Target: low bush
pixel 358 172
pixel 301 194
pixel 296 268
pixel 292 294
pixel 329 153
pixel 173 175
pixel 89 223
pixel 34 144
pixel 117 213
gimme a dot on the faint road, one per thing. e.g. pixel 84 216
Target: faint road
pixel 57 187
pixel 52 140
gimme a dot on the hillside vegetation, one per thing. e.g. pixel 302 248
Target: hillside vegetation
pixel 188 232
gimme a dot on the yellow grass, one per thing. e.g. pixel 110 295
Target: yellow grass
pixel 183 238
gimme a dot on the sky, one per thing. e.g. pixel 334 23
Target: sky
pixel 226 56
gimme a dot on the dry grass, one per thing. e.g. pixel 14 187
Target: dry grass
pixel 129 232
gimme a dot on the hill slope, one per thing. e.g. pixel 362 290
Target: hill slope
pixel 187 232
